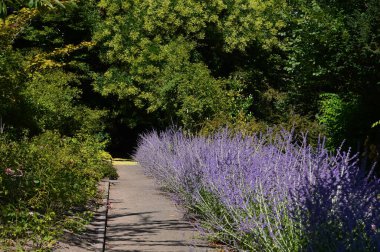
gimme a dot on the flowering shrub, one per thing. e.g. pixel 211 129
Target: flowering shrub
pixel 42 180
pixel 267 192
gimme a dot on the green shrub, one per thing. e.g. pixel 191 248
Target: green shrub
pixel 340 117
pixel 42 179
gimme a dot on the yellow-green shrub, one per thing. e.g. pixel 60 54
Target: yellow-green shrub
pixel 42 179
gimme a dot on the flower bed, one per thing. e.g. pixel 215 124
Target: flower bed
pixel 267 192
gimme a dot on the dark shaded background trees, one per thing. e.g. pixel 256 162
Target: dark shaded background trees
pixel 312 65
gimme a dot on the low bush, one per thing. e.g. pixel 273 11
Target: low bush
pixel 42 180
pixel 267 192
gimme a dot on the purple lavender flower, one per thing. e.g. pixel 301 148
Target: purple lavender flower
pixel 267 192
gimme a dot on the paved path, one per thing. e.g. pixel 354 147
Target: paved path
pixel 141 218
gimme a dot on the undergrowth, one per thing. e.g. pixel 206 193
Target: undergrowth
pixel 46 184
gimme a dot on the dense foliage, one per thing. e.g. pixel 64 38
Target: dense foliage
pixel 42 181
pixel 266 193
pixel 308 64
pixel 312 65
pixel 91 71
pixel 52 143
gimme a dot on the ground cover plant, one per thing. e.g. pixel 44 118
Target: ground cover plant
pixel 267 192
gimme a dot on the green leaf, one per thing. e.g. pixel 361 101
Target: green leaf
pixel 376 124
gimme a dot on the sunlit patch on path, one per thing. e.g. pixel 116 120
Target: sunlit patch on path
pixel 120 161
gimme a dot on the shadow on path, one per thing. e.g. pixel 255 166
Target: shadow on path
pixel 92 238
pixel 141 218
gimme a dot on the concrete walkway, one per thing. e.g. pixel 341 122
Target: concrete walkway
pixel 141 218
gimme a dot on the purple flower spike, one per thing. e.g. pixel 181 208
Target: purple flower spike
pixel 266 192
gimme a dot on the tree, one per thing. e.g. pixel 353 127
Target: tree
pixel 13 5
pixel 154 48
pixel 333 48
pixel 44 71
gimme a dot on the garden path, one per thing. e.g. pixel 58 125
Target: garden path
pixel 142 218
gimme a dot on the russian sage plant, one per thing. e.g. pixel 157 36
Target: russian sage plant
pixel 267 192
